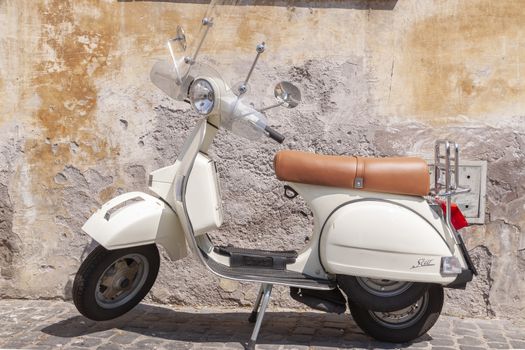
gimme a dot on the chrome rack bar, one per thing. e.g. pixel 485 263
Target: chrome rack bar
pixel 450 166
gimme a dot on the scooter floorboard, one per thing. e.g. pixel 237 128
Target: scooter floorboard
pixel 268 275
pixel 244 257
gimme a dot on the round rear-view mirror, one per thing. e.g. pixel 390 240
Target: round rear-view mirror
pixel 287 94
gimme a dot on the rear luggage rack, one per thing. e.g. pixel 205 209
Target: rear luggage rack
pixel 443 161
pixel 449 165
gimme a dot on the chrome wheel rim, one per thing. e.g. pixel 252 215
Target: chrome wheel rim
pixel 403 318
pixel 121 281
pixel 382 287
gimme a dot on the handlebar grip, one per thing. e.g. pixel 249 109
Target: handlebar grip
pixel 274 134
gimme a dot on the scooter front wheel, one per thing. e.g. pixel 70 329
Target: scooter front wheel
pixel 109 283
pixel 402 325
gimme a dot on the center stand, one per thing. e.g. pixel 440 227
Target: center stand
pixel 257 315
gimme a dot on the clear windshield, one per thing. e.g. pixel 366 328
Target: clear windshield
pixel 175 74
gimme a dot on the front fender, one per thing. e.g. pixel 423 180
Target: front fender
pixel 134 219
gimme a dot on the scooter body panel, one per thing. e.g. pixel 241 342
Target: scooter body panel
pixel 203 196
pixel 383 239
pixel 134 219
pixel 358 241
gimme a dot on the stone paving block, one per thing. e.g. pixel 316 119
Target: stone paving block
pixel 53 341
pixel 333 324
pixel 464 324
pixel 514 335
pixel 489 324
pixel 440 328
pixel 234 346
pixel 271 338
pixel 109 346
pixel 220 337
pixel 268 347
pixel 13 344
pixel 420 344
pixel 299 338
pixel 471 341
pixel 517 344
pixel 149 343
pixel 178 345
pixel 351 344
pixel 86 342
pixel 442 342
pixel 330 332
pixel 498 345
pixel 356 337
pixel 494 337
pixel 28 337
pixel 124 338
pixel 443 348
pixel 104 334
pixel 294 347
pixel 466 332
pixel 384 345
pixel 211 345
pixel 46 347
pixel 304 330
pixel 441 334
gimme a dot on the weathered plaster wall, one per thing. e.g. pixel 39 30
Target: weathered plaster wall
pixel 80 123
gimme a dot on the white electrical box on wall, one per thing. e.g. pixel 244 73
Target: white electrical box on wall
pixel 472 174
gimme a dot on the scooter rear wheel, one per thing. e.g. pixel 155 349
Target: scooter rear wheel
pixel 109 283
pixel 381 294
pixel 403 325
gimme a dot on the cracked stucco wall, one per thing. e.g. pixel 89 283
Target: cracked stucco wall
pixel 80 123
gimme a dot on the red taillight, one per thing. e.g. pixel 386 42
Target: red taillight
pixel 456 216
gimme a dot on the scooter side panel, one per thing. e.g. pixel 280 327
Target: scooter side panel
pixel 203 199
pixel 134 219
pixel 382 239
pixel 203 195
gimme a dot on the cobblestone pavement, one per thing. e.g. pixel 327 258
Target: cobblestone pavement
pixel 56 324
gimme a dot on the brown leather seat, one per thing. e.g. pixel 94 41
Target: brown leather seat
pixel 400 175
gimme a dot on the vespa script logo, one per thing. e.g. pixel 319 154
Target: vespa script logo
pixel 422 262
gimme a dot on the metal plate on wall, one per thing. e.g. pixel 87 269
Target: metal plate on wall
pixel 473 174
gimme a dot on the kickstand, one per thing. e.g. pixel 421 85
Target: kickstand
pixel 264 297
pixel 253 315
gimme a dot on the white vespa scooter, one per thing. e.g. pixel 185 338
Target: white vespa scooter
pixel 380 235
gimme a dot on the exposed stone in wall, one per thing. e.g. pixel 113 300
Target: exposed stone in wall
pixel 10 244
pixel 81 123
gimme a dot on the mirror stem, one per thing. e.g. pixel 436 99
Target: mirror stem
pixel 207 22
pixel 260 50
pixel 263 109
pixel 272 106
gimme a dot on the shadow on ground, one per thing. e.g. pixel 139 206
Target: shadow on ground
pixel 298 328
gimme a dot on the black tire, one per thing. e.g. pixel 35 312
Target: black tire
pixel 376 324
pixel 89 288
pixel 358 292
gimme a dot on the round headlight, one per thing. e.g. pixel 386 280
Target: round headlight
pixel 202 96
